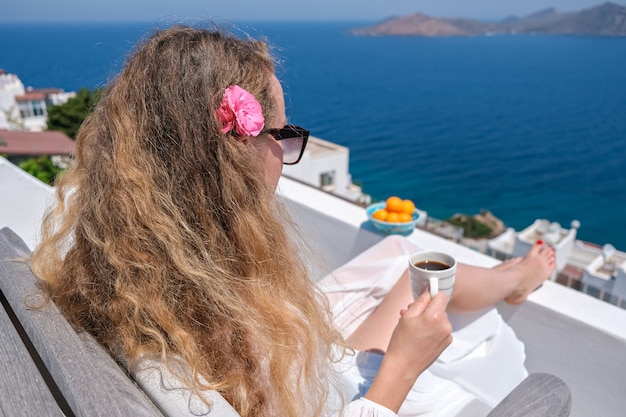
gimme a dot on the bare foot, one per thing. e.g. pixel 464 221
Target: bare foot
pixel 508 263
pixel 536 267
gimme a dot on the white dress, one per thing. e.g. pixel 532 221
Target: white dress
pixel 481 366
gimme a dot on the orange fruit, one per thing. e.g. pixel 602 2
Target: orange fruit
pixel 394 204
pixel 393 217
pixel 407 207
pixel 380 214
pixel 404 217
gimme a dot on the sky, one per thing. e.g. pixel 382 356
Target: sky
pixel 257 10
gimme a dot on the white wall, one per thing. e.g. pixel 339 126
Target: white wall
pixel 23 202
pixel 312 166
pixel 10 86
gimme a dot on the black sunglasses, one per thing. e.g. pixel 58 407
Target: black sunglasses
pixel 294 141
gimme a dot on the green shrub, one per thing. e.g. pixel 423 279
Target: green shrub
pixel 472 228
pixel 41 167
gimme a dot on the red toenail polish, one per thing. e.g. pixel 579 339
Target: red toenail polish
pixel 540 242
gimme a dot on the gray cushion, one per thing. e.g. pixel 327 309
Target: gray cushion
pixel 539 395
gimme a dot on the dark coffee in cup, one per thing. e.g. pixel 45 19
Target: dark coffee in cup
pixel 432 265
pixel 431 271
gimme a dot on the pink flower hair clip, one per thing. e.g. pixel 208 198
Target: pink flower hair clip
pixel 241 112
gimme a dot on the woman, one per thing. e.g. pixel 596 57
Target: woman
pixel 167 242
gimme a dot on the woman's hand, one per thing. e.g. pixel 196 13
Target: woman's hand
pixel 422 333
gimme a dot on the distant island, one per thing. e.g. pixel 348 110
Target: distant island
pixel 608 19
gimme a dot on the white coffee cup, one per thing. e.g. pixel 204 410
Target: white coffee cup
pixel 433 271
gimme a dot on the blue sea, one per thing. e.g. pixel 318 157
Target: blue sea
pixel 525 126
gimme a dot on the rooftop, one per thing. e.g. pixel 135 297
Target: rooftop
pixel 320 147
pixel 24 143
pixel 567 333
pixel 37 94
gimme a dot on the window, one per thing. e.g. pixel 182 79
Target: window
pixel 32 108
pixel 38 108
pixel 25 110
pixel 327 180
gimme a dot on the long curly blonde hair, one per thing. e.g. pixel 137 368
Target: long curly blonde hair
pixel 166 242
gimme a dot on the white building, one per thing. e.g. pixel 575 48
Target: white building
pixel 26 108
pixel 325 165
pixel 589 268
pixel 604 276
pixel 511 243
pixel 10 87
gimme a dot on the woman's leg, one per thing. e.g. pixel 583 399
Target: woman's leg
pixel 475 288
